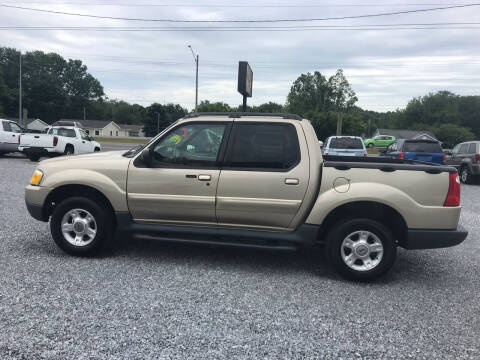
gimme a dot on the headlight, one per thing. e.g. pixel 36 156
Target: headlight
pixel 36 177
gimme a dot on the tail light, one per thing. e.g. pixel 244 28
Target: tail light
pixel 443 157
pixel 453 195
pixel 19 139
pixel 325 153
pixel 365 154
pixel 402 155
pixel 477 158
pixel 55 141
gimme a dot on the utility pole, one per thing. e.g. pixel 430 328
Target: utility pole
pixel 20 120
pixel 196 59
pixel 339 124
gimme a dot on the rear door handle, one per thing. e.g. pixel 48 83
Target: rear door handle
pixel 292 181
pixel 204 177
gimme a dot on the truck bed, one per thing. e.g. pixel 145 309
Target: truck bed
pixel 384 164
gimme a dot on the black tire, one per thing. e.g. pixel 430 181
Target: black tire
pixel 103 218
pixel 465 175
pixel 342 230
pixel 96 149
pixel 371 145
pixel 33 157
pixel 69 150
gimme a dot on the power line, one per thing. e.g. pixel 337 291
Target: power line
pixel 228 5
pixel 241 21
pixel 239 29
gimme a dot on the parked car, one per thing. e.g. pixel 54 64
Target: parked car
pixel 59 140
pixel 344 146
pixel 10 133
pixel 420 150
pixel 466 158
pixel 240 180
pixel 379 141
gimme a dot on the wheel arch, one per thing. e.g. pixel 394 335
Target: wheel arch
pixel 70 190
pixel 366 209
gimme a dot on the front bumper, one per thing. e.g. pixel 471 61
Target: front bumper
pixel 36 211
pixel 35 197
pixel 433 239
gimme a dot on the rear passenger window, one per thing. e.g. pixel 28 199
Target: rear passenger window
pixel 464 149
pixel 264 146
pixel 6 126
pixel 472 149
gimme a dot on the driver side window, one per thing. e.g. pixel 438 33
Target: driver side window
pixel 190 145
pixel 84 135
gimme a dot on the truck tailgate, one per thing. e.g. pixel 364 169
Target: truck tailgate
pixel 37 140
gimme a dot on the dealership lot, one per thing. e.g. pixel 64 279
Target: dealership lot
pixel 155 300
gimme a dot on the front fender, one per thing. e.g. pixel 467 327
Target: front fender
pixel 114 191
pixel 416 216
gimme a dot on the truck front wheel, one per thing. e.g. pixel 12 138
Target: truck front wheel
pixel 81 227
pixel 361 249
pixel 69 150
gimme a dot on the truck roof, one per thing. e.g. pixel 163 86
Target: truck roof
pixel 237 115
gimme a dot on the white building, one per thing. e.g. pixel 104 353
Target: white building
pixel 106 128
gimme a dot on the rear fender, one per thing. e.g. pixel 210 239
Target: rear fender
pixel 415 215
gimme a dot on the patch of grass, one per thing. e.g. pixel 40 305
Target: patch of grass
pixel 373 151
pixel 122 140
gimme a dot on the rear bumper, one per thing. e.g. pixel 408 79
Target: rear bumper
pixel 37 150
pixel 433 239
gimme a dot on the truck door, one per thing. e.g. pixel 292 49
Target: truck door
pixel 180 185
pixel 264 177
pixel 85 145
pixel 11 132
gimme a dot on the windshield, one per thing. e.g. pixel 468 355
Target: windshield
pixel 431 147
pixel 346 143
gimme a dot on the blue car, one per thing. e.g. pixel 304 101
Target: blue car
pixel 421 150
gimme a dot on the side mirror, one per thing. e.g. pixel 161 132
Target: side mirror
pixel 146 157
pixel 90 138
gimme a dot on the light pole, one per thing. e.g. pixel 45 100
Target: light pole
pixel 20 117
pixel 158 122
pixel 195 57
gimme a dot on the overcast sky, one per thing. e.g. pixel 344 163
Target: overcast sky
pixel 386 68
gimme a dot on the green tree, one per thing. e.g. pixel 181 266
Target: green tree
pixel 207 106
pixel 451 134
pixel 158 117
pixel 310 92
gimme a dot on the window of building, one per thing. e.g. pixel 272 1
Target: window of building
pixel 97 132
pixel 116 133
pixel 111 133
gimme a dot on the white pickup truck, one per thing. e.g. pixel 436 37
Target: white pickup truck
pixel 59 140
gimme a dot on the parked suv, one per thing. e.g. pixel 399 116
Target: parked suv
pixel 420 150
pixel 344 146
pixel 466 158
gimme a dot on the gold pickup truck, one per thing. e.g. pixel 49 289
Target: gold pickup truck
pixel 249 179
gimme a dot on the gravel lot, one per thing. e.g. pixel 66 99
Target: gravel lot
pixel 153 300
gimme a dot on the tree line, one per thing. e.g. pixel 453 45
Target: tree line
pixel 55 88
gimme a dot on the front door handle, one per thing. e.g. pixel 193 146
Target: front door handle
pixel 291 181
pixel 204 177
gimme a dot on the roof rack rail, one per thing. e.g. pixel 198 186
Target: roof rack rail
pixel 241 114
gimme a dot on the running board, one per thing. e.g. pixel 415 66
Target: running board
pixel 233 243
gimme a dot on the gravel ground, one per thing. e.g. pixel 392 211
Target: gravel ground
pixel 153 300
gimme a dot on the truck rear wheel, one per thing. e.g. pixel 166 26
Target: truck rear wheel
pixel 82 227
pixel 465 175
pixel 33 157
pixel 361 249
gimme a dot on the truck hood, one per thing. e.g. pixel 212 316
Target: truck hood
pixel 91 157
